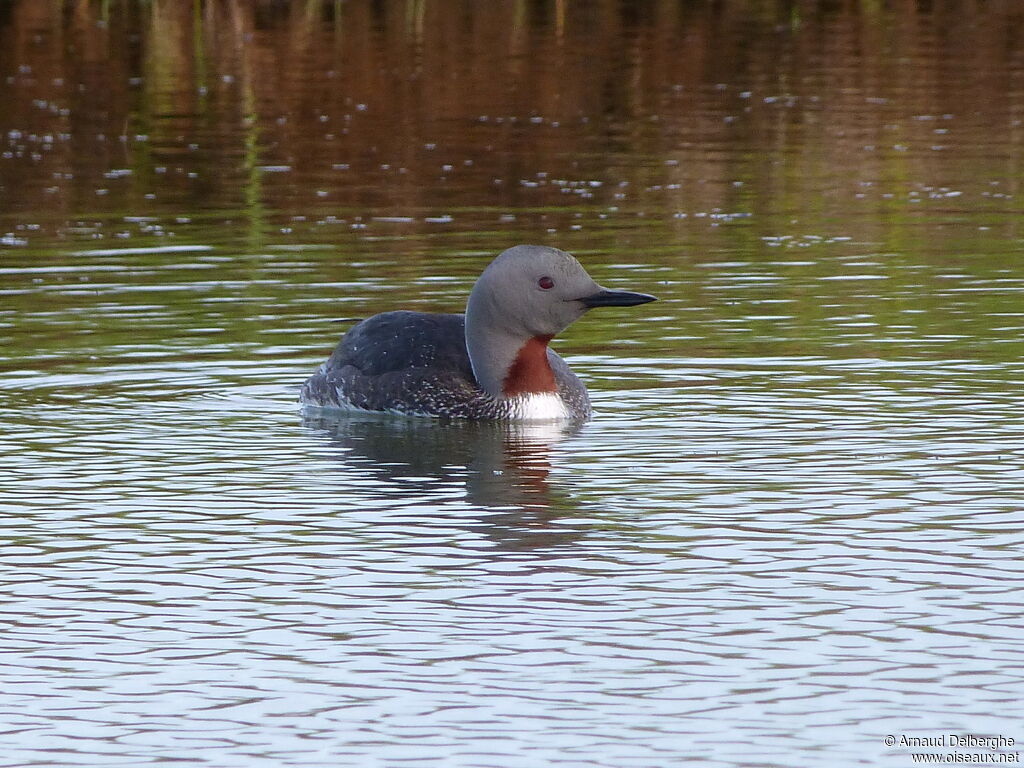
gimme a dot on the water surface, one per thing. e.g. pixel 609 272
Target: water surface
pixel 793 526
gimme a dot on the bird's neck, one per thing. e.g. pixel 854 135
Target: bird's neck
pixel 530 372
pixel 506 364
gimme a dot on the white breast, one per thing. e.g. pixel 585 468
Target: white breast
pixel 544 406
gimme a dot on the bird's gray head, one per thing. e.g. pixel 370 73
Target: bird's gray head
pixel 533 290
pixel 528 294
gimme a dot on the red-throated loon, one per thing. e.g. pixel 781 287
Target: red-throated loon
pixel 491 363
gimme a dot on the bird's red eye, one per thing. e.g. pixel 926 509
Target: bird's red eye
pixel 546 283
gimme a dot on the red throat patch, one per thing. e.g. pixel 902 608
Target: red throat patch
pixel 530 371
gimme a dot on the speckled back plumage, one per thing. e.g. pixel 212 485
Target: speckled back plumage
pixel 417 363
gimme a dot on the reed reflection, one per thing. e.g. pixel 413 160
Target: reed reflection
pixel 332 111
pixel 504 469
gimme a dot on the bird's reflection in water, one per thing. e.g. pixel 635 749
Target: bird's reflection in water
pixel 504 467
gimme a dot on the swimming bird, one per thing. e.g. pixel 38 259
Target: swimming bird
pixel 491 363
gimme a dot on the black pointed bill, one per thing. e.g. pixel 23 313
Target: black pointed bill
pixel 606 298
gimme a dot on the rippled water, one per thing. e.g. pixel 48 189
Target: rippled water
pixel 793 527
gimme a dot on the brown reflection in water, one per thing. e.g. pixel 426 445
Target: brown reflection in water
pixel 362 109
